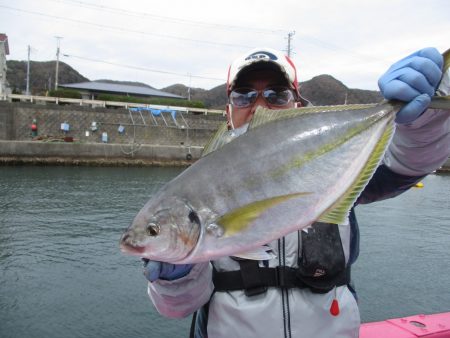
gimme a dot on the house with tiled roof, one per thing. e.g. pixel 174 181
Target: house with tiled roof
pixel 91 89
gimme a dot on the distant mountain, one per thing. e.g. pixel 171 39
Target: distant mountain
pixel 42 75
pixel 182 90
pixel 320 90
pixel 213 98
pixel 128 83
pixel 326 90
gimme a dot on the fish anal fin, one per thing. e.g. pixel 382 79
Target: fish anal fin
pixel 338 212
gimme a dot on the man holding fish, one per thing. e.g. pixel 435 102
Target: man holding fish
pixel 297 284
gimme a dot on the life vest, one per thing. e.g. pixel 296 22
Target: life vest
pixel 321 267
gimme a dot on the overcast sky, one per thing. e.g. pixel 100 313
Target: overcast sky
pixel 164 42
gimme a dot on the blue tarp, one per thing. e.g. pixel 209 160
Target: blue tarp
pixel 156 112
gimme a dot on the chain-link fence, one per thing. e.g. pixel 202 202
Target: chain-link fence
pixel 123 126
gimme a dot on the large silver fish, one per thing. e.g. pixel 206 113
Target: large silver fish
pixel 291 168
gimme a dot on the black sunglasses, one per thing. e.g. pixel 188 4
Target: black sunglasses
pixel 275 96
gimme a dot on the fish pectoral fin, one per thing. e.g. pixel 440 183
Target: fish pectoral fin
pixel 240 218
pixel 262 253
pixel 338 212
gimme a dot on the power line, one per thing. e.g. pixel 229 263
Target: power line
pixel 125 29
pixel 122 11
pixel 143 68
pixel 367 58
pixel 304 37
pixel 27 92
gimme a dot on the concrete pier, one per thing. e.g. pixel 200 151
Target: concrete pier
pixel 96 154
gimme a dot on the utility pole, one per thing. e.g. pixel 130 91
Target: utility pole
pixel 289 47
pixel 189 88
pixel 27 92
pixel 58 38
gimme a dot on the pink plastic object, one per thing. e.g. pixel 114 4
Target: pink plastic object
pixel 429 326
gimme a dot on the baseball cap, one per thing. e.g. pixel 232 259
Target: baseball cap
pixel 262 59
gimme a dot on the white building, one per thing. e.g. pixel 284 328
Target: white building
pixel 4 50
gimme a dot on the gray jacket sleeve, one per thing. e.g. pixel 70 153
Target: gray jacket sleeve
pixel 422 146
pixel 183 296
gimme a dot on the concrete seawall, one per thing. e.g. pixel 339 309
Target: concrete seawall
pixel 147 139
pixel 96 154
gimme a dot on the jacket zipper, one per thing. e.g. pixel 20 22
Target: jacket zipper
pixel 284 292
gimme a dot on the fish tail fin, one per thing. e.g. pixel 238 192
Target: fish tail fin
pixel 440 102
pixel 446 56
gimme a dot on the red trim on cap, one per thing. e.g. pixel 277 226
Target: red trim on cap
pixel 228 81
pixel 288 59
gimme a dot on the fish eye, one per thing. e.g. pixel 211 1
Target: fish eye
pixel 153 229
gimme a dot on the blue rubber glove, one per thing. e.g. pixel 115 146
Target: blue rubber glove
pixel 154 270
pixel 413 79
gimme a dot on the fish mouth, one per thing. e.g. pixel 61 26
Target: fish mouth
pixel 133 250
pixel 127 247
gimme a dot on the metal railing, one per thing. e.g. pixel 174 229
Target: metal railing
pixel 134 124
pixel 101 103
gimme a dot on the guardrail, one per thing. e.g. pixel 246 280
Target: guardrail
pixel 100 103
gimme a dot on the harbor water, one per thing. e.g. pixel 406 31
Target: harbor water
pixel 62 273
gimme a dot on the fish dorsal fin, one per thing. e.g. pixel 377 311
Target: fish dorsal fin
pixel 217 140
pixel 264 115
pixel 338 212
